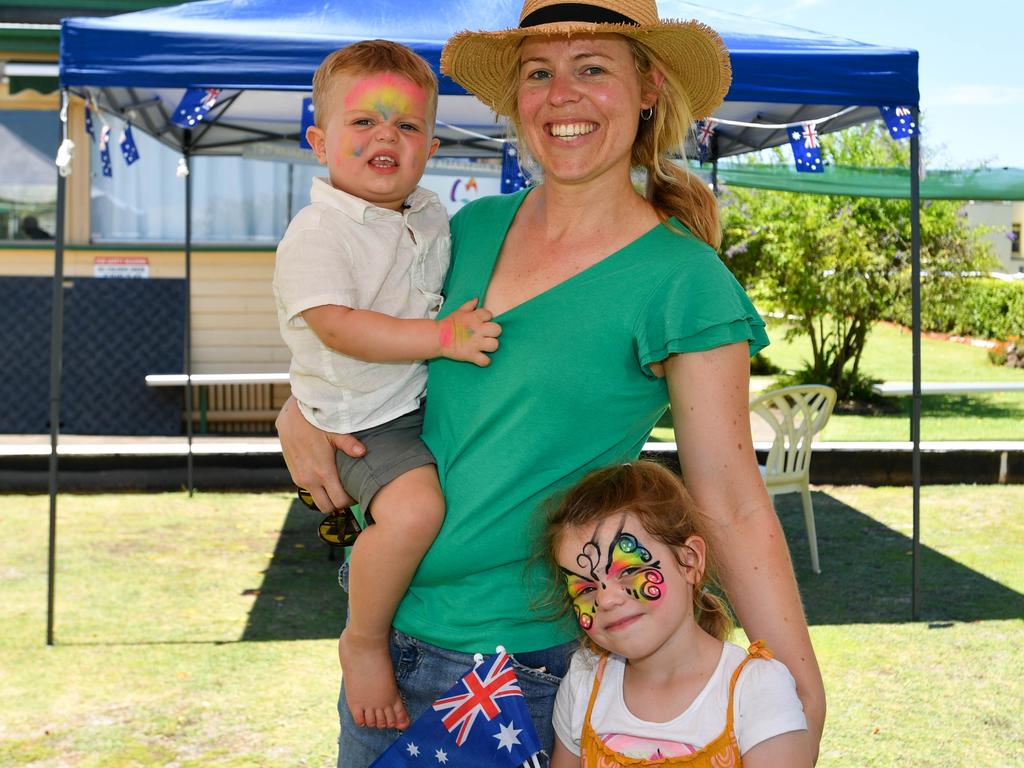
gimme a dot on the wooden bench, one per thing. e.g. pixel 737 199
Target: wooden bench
pixel 228 398
pixel 904 388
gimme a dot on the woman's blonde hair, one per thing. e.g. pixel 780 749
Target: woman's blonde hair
pixel 661 503
pixel 672 189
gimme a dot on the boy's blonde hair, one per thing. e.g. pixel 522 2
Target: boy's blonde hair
pixel 371 57
pixel 664 508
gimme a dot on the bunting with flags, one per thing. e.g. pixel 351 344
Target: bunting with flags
pixel 806 150
pixel 108 170
pixel 900 122
pixel 128 148
pixel 194 106
pixel 512 177
pixel 482 720
pixel 307 119
pixel 705 130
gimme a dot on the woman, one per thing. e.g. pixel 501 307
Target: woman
pixel 612 305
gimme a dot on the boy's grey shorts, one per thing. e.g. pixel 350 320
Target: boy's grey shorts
pixel 392 449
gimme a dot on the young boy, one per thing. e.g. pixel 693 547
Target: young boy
pixel 358 281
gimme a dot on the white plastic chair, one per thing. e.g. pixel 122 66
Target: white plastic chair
pixel 795 414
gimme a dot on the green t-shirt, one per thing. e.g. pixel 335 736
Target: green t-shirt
pixel 569 390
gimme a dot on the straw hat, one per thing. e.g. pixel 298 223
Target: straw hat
pixel 480 61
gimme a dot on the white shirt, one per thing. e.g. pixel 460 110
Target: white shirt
pixel 765 705
pixel 344 251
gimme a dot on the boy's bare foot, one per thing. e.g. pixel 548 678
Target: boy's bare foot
pixel 369 678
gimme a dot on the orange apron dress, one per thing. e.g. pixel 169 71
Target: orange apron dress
pixel 721 752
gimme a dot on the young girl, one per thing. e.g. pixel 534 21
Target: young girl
pixel 657 684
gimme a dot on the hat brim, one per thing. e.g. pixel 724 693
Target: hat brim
pixel 481 61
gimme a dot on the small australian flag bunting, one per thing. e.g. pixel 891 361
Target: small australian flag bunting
pixel 512 178
pixel 481 721
pixel 806 150
pixel 307 121
pixel 194 106
pixel 128 148
pixel 108 171
pixel 900 122
pixel 88 122
pixel 705 130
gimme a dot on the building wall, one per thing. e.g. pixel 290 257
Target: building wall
pixel 1001 217
pixel 234 320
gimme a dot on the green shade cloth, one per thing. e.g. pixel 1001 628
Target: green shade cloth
pixel 983 184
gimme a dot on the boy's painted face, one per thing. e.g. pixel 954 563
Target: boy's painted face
pixel 625 586
pixel 377 137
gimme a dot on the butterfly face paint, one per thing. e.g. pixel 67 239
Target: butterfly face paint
pixel 623 564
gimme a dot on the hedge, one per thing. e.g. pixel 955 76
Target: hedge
pixel 984 308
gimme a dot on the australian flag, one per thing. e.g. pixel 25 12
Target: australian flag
pixel 806 150
pixel 307 120
pixel 900 122
pixel 88 122
pixel 194 106
pixel 128 148
pixel 108 171
pixel 512 177
pixel 481 721
pixel 705 130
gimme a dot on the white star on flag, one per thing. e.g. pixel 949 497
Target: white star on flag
pixel 441 755
pixel 507 736
pixel 413 750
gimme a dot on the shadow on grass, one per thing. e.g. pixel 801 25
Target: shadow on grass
pixel 865 577
pixel 866 572
pixel 299 597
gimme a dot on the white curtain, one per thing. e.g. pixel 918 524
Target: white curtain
pixel 234 199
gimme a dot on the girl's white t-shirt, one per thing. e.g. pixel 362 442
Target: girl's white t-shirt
pixel 766 705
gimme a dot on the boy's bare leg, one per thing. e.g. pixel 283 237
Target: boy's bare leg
pixel 407 514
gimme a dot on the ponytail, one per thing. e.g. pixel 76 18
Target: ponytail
pixel 671 188
pixel 675 191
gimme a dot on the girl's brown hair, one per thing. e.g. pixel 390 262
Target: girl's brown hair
pixel 661 503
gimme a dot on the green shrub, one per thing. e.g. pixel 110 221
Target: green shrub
pixel 984 307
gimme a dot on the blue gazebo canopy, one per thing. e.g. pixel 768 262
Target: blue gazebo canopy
pixel 142 61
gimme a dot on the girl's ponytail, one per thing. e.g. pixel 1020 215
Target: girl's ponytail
pixel 675 191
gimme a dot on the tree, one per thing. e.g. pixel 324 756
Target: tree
pixel 839 264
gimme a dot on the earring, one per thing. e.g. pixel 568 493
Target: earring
pixel 647 113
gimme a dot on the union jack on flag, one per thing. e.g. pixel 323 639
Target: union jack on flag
pixel 900 122
pixel 194 106
pixel 705 130
pixel 806 149
pixel 482 720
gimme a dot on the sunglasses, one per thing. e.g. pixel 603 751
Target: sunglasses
pixel 339 528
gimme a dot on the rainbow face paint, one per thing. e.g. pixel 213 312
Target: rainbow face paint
pixel 583 594
pixel 387 94
pixel 625 564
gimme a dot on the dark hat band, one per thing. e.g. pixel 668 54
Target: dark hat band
pixel 575 12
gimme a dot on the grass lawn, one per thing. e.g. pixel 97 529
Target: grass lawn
pixel 202 632
pixel 887 356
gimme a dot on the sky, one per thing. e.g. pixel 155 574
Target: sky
pixel 971 65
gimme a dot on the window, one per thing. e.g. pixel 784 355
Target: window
pixel 28 177
pixel 1015 241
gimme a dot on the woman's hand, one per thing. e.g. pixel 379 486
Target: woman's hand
pixel 309 454
pixel 710 392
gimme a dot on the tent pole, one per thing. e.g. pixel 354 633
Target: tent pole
pixel 188 304
pixel 915 416
pixel 714 164
pixel 56 354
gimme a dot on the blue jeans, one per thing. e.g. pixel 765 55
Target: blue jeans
pixel 424 672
